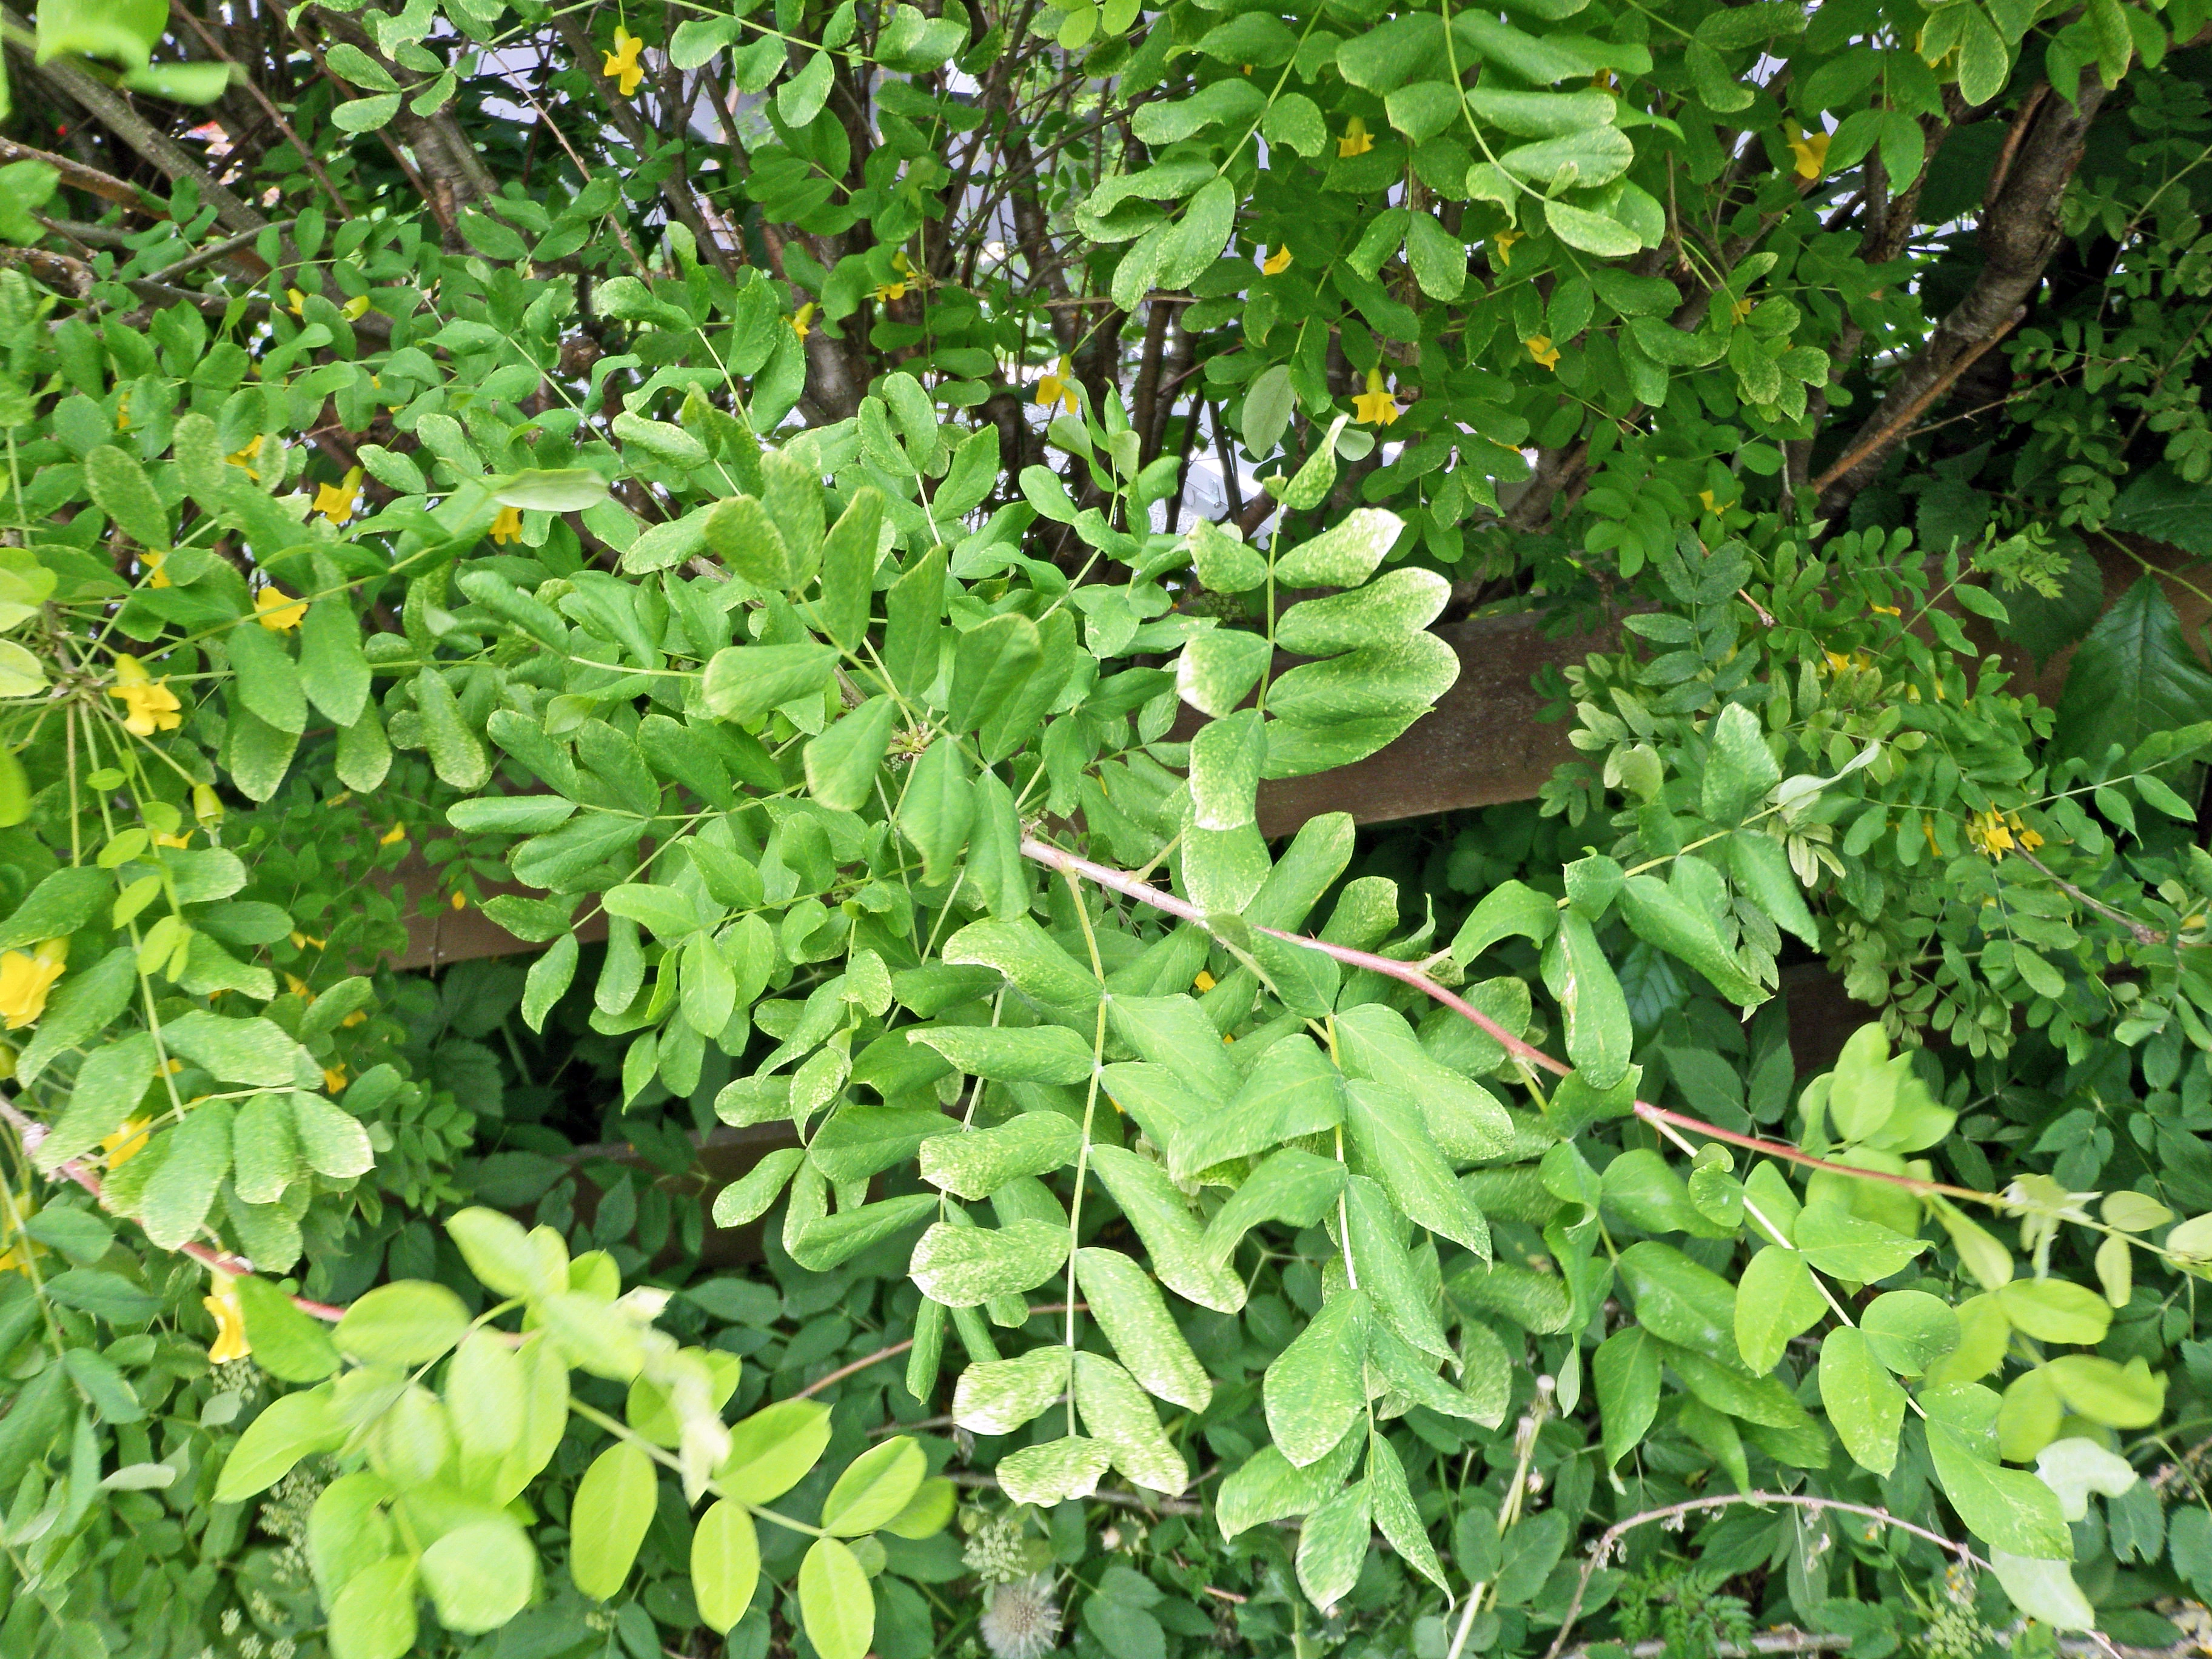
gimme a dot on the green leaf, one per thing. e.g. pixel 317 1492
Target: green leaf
pixel 990 664
pixel 331 1140
pixel 2010 1509
pixel 175 1200
pixel 965 1267
pixel 1401 602
pixel 410 1322
pixel 289 1428
pixel 479 1576
pixel 1776 1299
pixel 1600 1038
pixel 332 670
pixel 614 1506
pixel 117 483
pixel 725 1565
pixel 1127 1305
pixel 1625 1368
pixel 1171 1234
pixel 848 566
pixel 842 763
pixel 1054 1471
pixel 1115 1410
pixel 287 1343
pixel 110 1084
pixel 744 682
pixel 1845 1246
pixel 1394 1146
pixel 998 1396
pixel 772 1451
pixel 1680 1301
pixel 1396 1513
pixel 83 1005
pixel 834 1602
pixel 1909 1330
pixel 373 1617
pixel 1863 1402
pixel 1038 1053
pixel 2130 1396
pixel 747 1199
pixel 938 808
pixel 1591 233
pixel 1739 770
pixel 251 1051
pixel 268 680
pixel 875 1487
pixel 1317 1386
pixel 1333 1546
pixel 455 752
pixel 1343 556
pixel 2135 674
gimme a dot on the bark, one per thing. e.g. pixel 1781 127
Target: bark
pixel 2019 232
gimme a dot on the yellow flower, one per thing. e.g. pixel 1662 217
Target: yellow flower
pixel 1927 829
pixel 1276 263
pixel 301 941
pixel 1991 835
pixel 123 410
pixel 154 559
pixel 461 901
pixel 1542 348
pixel 244 457
pixel 17 1256
pixel 126 1143
pixel 1057 387
pixel 356 309
pixel 1357 140
pixel 336 502
pixel 293 301
pixel 621 65
pixel 1886 610
pixel 1740 309
pixel 886 292
pixel 161 840
pixel 1205 981
pixel 1375 406
pixel 298 987
pixel 1812 153
pixel 154 707
pixel 26 978
pixel 356 1017
pixel 507 527
pixel 334 1079
pixel 1711 506
pixel 393 836
pixel 1502 244
pixel 802 320
pixel 230 1341
pixel 280 612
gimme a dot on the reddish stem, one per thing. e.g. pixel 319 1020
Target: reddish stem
pixel 31 1133
pixel 1406 972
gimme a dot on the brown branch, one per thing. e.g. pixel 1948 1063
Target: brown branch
pixel 2019 232
pixel 1894 428
pixel 30 1134
pixel 1410 973
pixel 114 112
pixel 77 175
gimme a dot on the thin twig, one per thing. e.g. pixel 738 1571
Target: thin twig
pixel 1601 1551
pixel 30 1134
pixel 1407 973
pixel 1894 430
pixel 2143 935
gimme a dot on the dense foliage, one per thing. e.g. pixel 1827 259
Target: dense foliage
pixel 731 494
